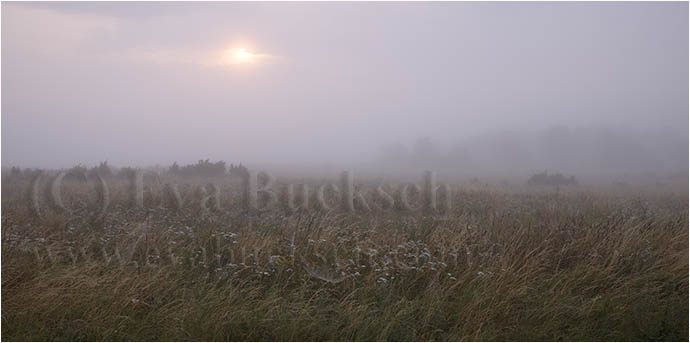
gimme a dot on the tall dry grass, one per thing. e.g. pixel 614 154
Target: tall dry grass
pixel 503 265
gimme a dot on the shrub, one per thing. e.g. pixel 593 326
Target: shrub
pixel 201 168
pixel 544 179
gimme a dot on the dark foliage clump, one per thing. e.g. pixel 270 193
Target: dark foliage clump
pixel 77 170
pixel 202 168
pixel 238 170
pixel 102 170
pixel 126 172
pixel 557 179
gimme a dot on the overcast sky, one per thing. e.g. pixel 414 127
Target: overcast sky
pixel 147 83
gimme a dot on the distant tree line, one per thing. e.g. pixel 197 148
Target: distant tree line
pixel 206 168
pixel 560 148
pixel 203 168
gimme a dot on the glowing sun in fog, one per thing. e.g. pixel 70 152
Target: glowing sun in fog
pixel 238 56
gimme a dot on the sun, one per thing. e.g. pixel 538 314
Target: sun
pixel 238 56
pixel 243 55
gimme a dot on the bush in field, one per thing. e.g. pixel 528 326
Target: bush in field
pixel 77 170
pixel 15 173
pixel 126 172
pixel 544 179
pixel 238 170
pixel 201 168
pixel 102 170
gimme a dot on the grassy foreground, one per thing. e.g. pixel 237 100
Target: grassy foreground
pixel 526 265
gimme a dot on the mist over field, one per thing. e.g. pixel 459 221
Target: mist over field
pixel 350 171
pixel 473 87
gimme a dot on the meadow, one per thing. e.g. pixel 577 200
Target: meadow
pixel 505 263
